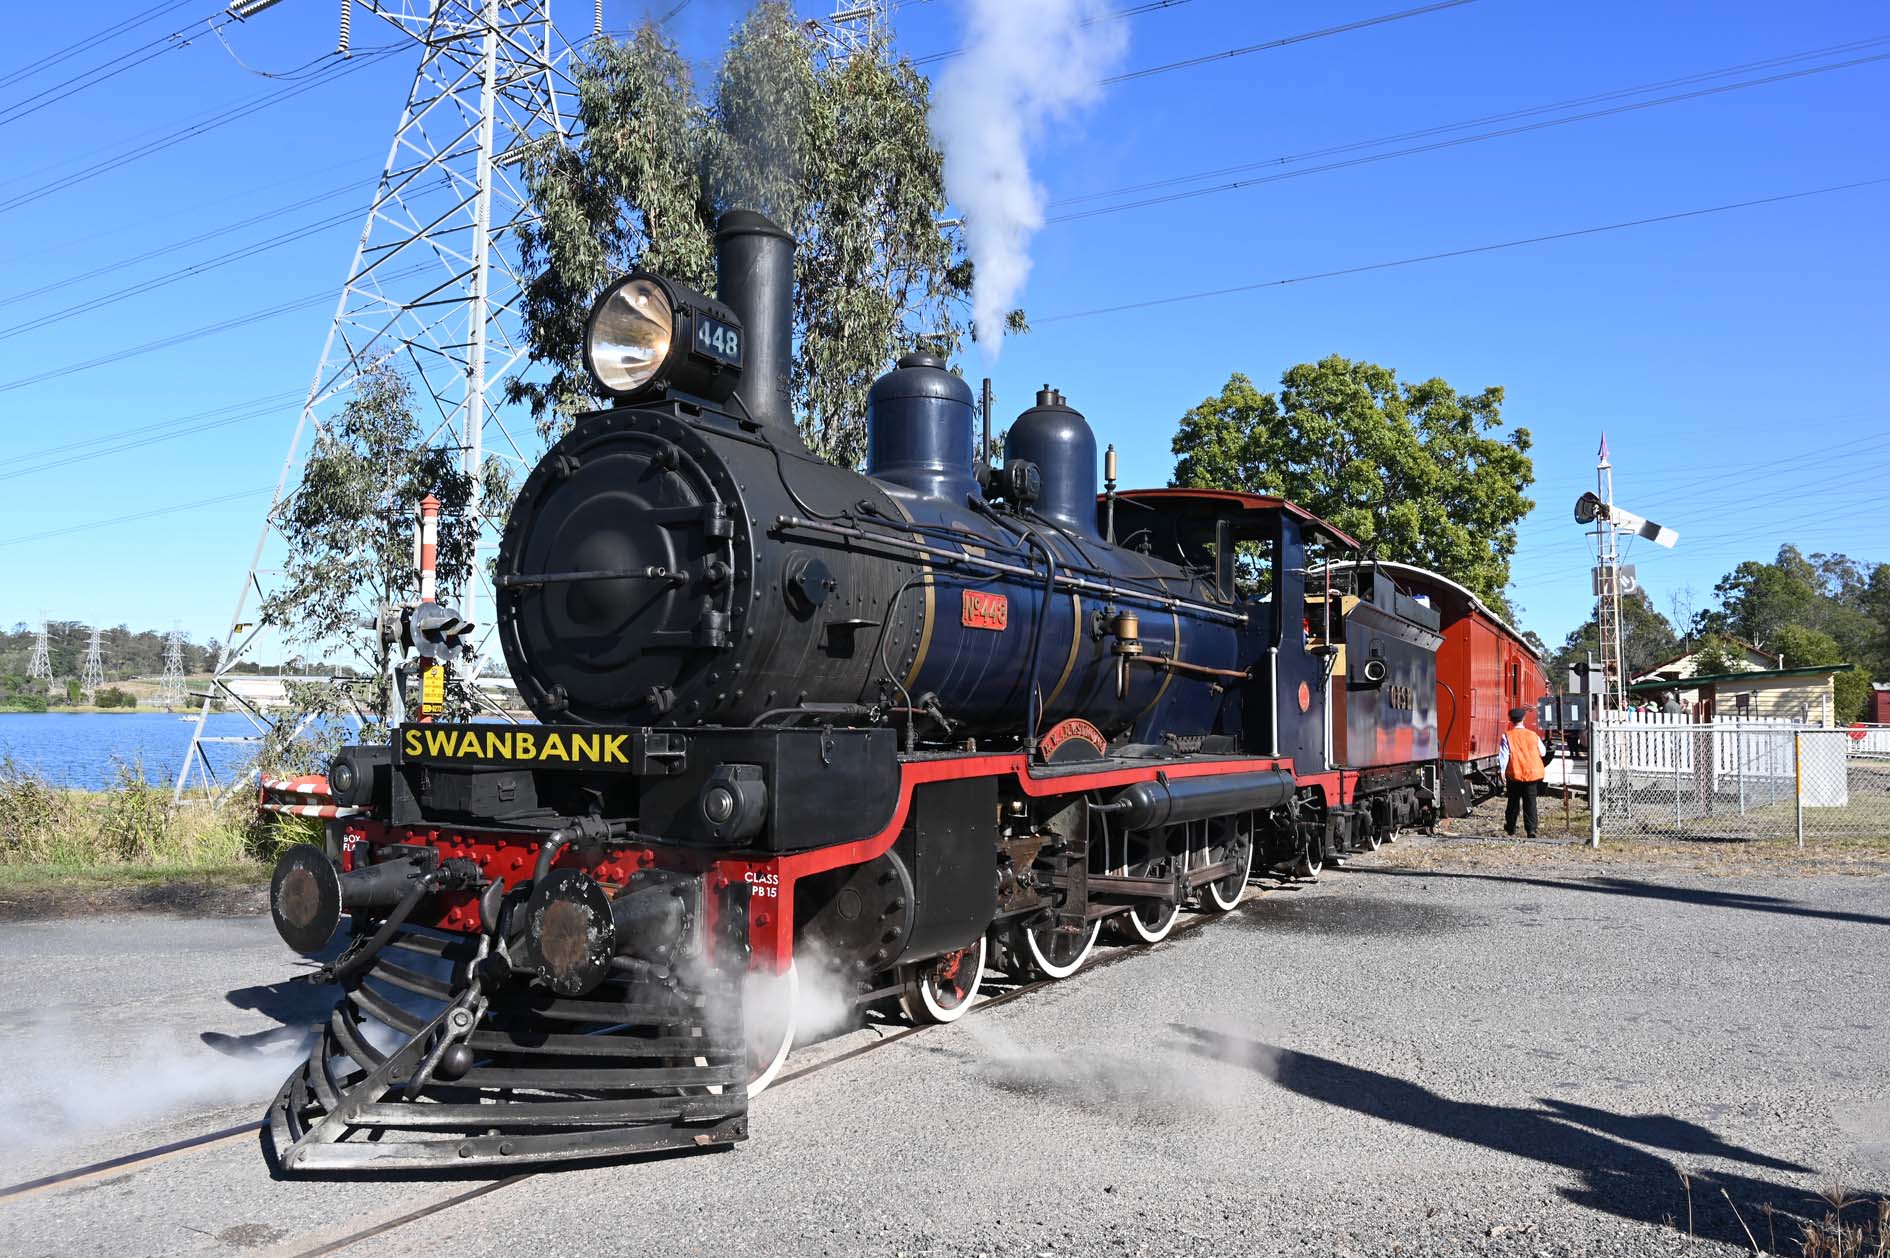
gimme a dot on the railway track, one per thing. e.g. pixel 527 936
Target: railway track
pixel 364 1228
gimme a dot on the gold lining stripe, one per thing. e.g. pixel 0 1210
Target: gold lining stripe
pixel 1168 674
pixel 1076 639
pixel 931 601
pixel 925 635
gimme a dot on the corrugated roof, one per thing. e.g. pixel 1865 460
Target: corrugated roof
pixel 1757 674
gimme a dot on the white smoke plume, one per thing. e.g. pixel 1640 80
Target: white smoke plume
pixel 63 1085
pixel 1027 64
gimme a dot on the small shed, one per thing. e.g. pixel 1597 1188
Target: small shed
pixel 1877 707
pixel 1797 694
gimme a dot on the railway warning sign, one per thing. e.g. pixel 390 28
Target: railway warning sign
pixel 1629 584
pixel 980 610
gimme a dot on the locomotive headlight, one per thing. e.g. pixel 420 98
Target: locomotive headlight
pixel 630 335
pixel 647 334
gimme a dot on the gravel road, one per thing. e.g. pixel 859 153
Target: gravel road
pixel 1399 1059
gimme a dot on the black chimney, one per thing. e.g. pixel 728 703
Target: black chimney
pixel 754 266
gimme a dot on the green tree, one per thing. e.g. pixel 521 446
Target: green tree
pixel 1647 639
pixel 1803 647
pixel 1758 599
pixel 1833 594
pixel 837 152
pixel 1716 654
pixel 349 530
pixel 1415 471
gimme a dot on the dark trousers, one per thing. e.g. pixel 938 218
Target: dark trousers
pixel 1522 795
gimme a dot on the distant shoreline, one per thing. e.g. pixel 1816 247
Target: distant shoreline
pixel 99 712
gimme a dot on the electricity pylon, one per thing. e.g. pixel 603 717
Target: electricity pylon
pixel 171 692
pixel 39 666
pixel 434 286
pixel 851 28
pixel 92 676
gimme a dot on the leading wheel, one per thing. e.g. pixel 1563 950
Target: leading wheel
pixel 1149 921
pixel 769 1004
pixel 942 989
pixel 1051 953
pixel 1223 894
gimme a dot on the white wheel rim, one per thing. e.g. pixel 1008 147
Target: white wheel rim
pixel 1144 933
pixel 1227 904
pixel 789 994
pixel 1051 970
pixel 927 992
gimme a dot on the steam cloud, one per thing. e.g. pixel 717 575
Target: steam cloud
pixel 62 1085
pixel 1027 64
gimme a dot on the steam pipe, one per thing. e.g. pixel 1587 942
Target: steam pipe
pixel 754 263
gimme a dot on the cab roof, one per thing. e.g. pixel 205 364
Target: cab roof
pixel 1216 501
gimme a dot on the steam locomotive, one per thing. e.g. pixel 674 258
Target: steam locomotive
pixel 889 730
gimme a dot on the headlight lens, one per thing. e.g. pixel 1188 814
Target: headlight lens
pixel 629 335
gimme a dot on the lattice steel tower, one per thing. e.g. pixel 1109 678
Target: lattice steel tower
pixel 851 28
pixel 434 284
pixel 39 665
pixel 1608 601
pixel 92 676
pixel 171 692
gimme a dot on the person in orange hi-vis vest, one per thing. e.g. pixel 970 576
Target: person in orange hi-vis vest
pixel 1525 758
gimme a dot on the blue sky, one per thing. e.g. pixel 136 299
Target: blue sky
pixel 1737 360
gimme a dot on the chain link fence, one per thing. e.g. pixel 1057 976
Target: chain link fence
pixel 1659 777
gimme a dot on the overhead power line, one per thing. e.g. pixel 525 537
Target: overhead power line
pixel 135 516
pixel 140 429
pixel 171 277
pixel 1249 49
pixel 221 232
pixel 1511 115
pixel 220 118
pixel 179 338
pixel 137 439
pixel 41 64
pixel 1133 10
pixel 1572 234
pixel 1437 145
pixel 102 72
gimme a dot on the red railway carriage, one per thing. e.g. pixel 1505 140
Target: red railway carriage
pixel 1484 668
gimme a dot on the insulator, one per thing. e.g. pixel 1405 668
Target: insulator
pixel 347 17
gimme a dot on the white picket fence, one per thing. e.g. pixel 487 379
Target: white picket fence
pixel 1745 760
pixel 1661 743
pixel 1873 742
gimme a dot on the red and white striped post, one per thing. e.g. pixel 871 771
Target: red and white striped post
pixel 429 547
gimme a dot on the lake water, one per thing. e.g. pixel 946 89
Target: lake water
pixel 78 750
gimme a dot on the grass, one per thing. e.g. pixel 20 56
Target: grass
pixel 130 832
pixel 28 878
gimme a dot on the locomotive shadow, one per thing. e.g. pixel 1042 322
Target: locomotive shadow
pixel 1638 889
pixel 299 1008
pixel 1616 1177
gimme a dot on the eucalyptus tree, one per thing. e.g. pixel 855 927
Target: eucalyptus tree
pixel 837 151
